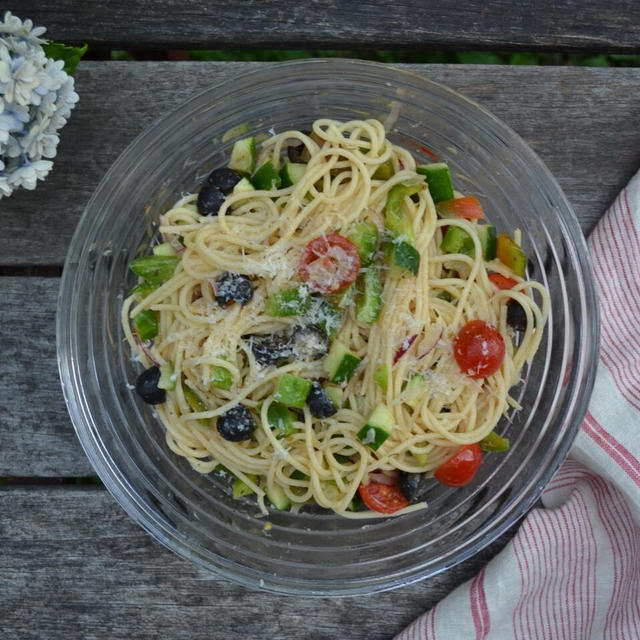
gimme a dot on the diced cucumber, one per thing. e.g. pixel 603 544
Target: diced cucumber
pixel 146 325
pixel 164 249
pixel 384 171
pixel 487 235
pixel 334 394
pixel 196 403
pixel 239 489
pixel 370 301
pixel 243 186
pixel 381 377
pixel 280 419
pixel 364 236
pixel 266 177
pixel 291 173
pixel 438 180
pixel 510 254
pixel 406 257
pixel 154 269
pixel 377 428
pixel 243 156
pixel 340 363
pixel 288 302
pixel 457 240
pixel 167 378
pixel 296 474
pixel 413 391
pixel 324 316
pixel 277 497
pixel 398 224
pixel 220 377
pixel 494 442
pixel 421 458
pixel 292 391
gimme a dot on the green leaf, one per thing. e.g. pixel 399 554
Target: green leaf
pixel 479 57
pixel 70 55
pixel 524 58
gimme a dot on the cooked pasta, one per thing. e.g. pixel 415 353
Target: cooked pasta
pixel 390 315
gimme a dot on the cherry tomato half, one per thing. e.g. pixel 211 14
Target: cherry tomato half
pixel 384 498
pixel 460 467
pixel 502 282
pixel 329 263
pixel 478 348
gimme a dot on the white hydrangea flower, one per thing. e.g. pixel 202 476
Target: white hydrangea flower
pixel 36 99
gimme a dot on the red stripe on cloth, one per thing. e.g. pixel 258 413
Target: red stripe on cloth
pixel 479 610
pixel 556 555
pixel 620 301
pixel 615 348
pixel 619 454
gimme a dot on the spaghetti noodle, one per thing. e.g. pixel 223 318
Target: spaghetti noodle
pixel 399 335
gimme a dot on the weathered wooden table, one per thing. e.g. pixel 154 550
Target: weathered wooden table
pixel 72 564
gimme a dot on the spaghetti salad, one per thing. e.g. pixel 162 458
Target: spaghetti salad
pixel 330 323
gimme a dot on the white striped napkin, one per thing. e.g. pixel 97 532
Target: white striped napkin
pixel 572 571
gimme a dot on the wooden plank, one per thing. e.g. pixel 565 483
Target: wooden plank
pixel 36 436
pixel 583 122
pixel 475 24
pixel 74 565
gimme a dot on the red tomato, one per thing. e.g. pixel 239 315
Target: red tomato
pixel 384 498
pixel 468 208
pixel 478 349
pixel 502 282
pixel 329 263
pixel 460 467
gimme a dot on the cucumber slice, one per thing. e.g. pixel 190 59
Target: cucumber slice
pixel 369 303
pixel 154 269
pixel 239 489
pixel 291 173
pixel 510 254
pixel 243 186
pixel 266 178
pixel 377 428
pixel 406 257
pixel 380 377
pixel 167 377
pixel 457 240
pixel 292 391
pixel 487 235
pixel 288 302
pixel 243 156
pixel 146 325
pixel 420 458
pixel 364 236
pixel 438 180
pixel 340 363
pixel 494 442
pixel 220 377
pixel 164 249
pixel 280 419
pixel 196 403
pixel 384 171
pixel 334 394
pixel 277 497
pixel 414 391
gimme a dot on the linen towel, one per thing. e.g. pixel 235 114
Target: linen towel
pixel 572 571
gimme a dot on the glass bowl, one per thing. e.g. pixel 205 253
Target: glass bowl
pixel 320 553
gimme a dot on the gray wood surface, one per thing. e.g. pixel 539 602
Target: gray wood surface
pixel 477 24
pixel 583 122
pixel 73 565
